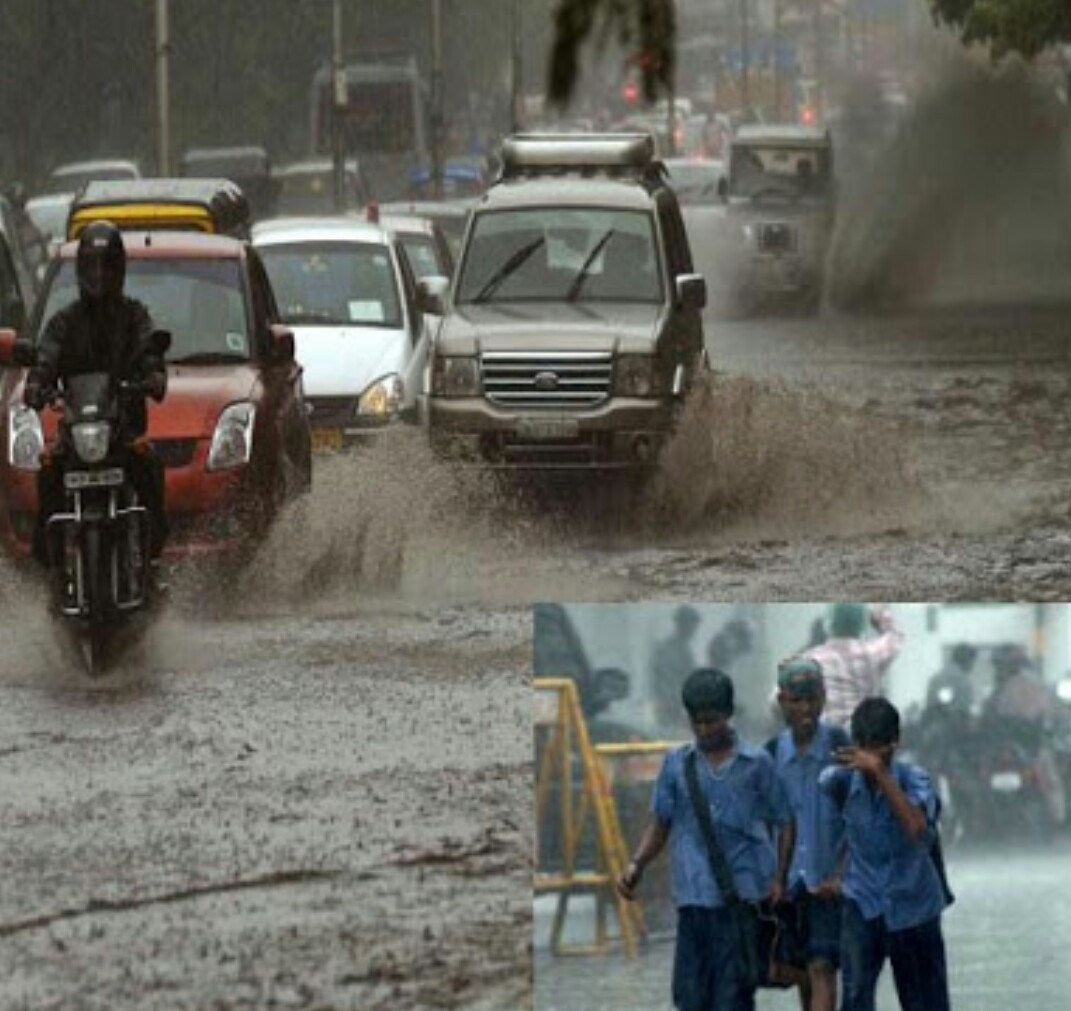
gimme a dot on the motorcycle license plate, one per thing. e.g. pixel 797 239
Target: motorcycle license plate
pixel 547 429
pixel 326 440
pixel 1006 782
pixel 109 478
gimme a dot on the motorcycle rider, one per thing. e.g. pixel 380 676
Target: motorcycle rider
pixel 1021 707
pixel 101 331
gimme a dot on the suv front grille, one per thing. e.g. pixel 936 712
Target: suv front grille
pixel 777 237
pixel 562 379
pixel 330 412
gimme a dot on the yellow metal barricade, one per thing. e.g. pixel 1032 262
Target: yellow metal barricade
pixel 584 777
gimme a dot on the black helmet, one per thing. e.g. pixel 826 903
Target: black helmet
pixel 101 262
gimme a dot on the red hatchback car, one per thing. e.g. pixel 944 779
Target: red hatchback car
pixel 232 432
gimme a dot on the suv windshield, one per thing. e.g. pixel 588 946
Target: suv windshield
pixel 561 254
pixel 200 301
pixel 341 283
pixel 778 171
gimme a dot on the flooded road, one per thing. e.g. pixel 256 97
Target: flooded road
pixel 1005 937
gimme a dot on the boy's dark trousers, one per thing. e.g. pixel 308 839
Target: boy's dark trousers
pixel 708 971
pixel 917 955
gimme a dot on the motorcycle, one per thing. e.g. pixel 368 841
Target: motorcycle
pixel 100 545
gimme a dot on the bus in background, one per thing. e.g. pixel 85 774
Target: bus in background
pixel 385 122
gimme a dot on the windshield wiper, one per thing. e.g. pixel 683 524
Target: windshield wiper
pixel 210 358
pixel 584 272
pixel 508 268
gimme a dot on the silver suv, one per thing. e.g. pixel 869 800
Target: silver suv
pixel 574 326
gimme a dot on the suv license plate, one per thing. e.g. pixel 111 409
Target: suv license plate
pixel 109 478
pixel 547 429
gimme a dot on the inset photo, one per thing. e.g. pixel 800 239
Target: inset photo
pixel 829 806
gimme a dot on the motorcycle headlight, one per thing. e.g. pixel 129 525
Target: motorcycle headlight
pixel 25 440
pixel 455 377
pixel 635 376
pixel 91 440
pixel 748 231
pixel 381 400
pixel 232 441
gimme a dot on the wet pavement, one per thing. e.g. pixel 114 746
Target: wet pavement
pixel 1006 940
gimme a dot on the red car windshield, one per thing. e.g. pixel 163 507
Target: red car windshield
pixel 200 301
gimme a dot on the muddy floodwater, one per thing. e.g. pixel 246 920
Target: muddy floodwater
pixel 311 787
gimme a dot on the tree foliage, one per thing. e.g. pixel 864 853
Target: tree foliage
pixel 1023 26
pixel 646 28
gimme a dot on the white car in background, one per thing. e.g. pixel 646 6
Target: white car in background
pixel 344 287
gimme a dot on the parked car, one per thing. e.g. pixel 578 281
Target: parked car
pixel 345 288
pixel 574 327
pixel 780 213
pixel 308 187
pixel 71 177
pixel 232 432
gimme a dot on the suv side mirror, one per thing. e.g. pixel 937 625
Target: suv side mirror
pixel 431 294
pixel 13 351
pixel 282 343
pixel 691 291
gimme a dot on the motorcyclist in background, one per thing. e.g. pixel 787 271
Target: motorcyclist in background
pixel 101 331
pixel 1022 707
pixel 951 686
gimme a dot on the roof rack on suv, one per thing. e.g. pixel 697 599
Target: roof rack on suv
pixel 631 154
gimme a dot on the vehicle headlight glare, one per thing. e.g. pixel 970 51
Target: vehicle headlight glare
pixel 26 440
pixel 635 376
pixel 455 377
pixel 748 231
pixel 381 400
pixel 91 440
pixel 232 441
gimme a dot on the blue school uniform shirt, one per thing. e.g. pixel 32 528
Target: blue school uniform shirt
pixel 745 796
pixel 819 826
pixel 888 874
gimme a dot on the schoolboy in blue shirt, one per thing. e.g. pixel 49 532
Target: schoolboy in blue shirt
pixel 893 897
pixel 802 751
pixel 745 796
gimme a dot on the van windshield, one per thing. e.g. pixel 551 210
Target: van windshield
pixel 200 301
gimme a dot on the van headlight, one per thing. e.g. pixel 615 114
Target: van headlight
pixel 455 377
pixel 91 440
pixel 25 439
pixel 635 376
pixel 232 441
pixel 380 402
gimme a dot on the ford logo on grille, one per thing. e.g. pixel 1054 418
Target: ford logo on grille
pixel 546 382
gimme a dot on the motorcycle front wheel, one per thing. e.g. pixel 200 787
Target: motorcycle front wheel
pixel 95 633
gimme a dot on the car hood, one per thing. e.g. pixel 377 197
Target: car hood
pixel 558 326
pixel 197 395
pixel 343 361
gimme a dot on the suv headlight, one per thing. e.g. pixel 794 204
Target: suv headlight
pixel 232 441
pixel 91 440
pixel 635 376
pixel 748 231
pixel 455 377
pixel 25 439
pixel 381 400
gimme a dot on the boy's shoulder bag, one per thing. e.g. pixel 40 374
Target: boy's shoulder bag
pixel 771 943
